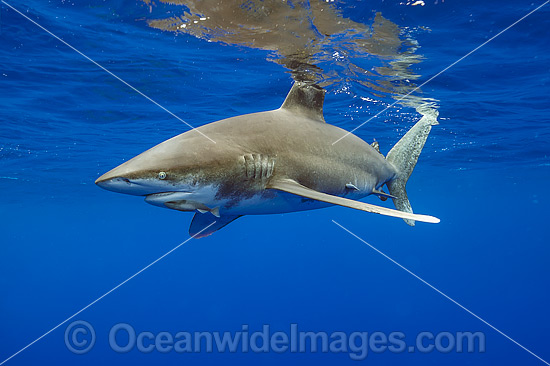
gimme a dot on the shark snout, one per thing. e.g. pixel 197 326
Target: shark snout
pixel 133 183
pixel 118 184
pixel 107 179
pixel 126 179
pixel 116 181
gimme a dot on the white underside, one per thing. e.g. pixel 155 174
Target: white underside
pixel 279 202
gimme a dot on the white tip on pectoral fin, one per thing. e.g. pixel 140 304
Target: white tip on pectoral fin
pixel 291 186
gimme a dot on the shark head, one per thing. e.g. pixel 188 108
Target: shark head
pixel 161 174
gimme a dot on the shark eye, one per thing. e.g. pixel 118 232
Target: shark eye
pixel 162 175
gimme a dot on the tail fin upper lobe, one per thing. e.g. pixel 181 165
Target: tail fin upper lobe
pixel 404 155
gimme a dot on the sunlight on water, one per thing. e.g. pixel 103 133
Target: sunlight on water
pixel 313 40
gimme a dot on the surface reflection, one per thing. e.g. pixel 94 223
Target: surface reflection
pixel 312 39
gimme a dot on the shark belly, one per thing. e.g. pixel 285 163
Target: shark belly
pixel 276 203
pixel 262 202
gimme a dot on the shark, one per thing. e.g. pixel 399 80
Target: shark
pixel 284 160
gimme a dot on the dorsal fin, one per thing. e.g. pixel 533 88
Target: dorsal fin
pixel 306 99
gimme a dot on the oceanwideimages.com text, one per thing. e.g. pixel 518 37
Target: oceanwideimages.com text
pixel 80 337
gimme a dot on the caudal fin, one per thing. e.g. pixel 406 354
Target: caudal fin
pixel 404 155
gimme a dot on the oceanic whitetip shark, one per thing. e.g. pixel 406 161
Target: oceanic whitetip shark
pixel 278 161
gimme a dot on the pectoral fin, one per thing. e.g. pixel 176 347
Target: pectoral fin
pixel 291 186
pixel 202 220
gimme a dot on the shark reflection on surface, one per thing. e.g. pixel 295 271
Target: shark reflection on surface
pixel 304 36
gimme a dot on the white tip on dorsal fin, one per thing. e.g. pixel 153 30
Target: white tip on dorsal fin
pixel 306 99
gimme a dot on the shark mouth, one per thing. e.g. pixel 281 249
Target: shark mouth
pixel 159 199
pixel 180 201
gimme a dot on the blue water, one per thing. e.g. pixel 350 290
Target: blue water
pixel 485 172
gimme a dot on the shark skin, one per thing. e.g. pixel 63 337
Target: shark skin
pixel 270 162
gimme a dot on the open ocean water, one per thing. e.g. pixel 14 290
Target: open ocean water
pixel 485 171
